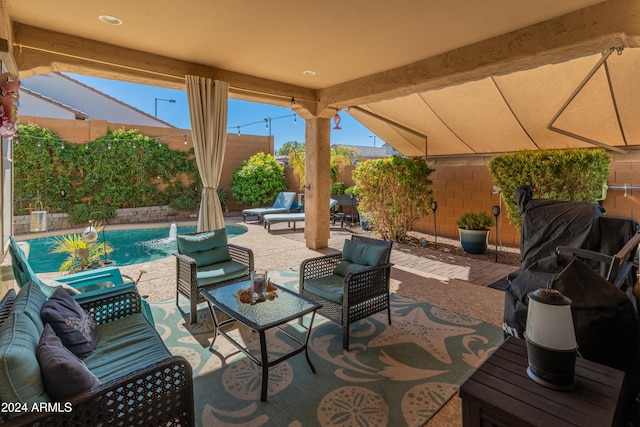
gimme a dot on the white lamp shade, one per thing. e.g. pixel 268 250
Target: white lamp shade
pixel 549 321
pixel 90 235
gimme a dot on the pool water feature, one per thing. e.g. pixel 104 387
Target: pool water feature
pixel 132 246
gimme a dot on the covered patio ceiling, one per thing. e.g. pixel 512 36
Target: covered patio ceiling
pixel 467 77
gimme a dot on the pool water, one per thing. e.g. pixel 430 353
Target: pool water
pixel 129 246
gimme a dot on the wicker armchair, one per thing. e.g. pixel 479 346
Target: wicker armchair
pixel 192 276
pixel 358 294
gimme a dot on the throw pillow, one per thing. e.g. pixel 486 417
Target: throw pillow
pixel 77 330
pixel 362 253
pixel 63 373
pixel 346 267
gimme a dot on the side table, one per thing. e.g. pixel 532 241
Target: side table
pixel 500 393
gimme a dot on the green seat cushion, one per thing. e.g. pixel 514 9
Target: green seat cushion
pixel 205 248
pixel 362 253
pixel 346 267
pixel 125 345
pixel 30 301
pixel 328 287
pixel 20 378
pixel 220 272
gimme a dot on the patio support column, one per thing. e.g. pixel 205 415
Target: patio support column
pixel 317 191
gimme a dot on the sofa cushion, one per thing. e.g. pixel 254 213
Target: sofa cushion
pixel 220 272
pixel 20 378
pixel 362 253
pixel 75 327
pixel 29 301
pixel 328 287
pixel 125 345
pixel 63 373
pixel 346 267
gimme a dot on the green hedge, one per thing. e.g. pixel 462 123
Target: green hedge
pixel 123 169
pixel 569 174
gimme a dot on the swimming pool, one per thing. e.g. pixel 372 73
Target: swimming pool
pixel 129 246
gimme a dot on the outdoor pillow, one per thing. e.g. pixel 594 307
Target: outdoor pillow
pixel 63 373
pixel 198 242
pixel 362 253
pixel 75 327
pixel 20 378
pixel 211 256
pixel 29 301
pixel 346 267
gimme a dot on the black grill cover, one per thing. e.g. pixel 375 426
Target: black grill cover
pixel 549 223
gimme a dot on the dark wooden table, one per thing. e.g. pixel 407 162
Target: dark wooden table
pixel 500 393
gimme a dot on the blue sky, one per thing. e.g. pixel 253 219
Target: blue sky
pixel 248 115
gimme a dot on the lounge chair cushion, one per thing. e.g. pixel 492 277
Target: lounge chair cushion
pixel 20 378
pixel 328 287
pixel 283 203
pixel 346 267
pixel 75 327
pixel 205 248
pixel 63 373
pixel 220 272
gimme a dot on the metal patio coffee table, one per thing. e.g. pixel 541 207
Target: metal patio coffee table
pixel 261 317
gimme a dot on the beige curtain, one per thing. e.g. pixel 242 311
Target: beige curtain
pixel 208 111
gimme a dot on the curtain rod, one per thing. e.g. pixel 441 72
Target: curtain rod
pixel 142 70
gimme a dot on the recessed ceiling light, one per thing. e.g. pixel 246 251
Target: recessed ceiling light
pixel 309 73
pixel 111 20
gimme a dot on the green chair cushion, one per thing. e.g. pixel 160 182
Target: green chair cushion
pixel 362 253
pixel 211 256
pixel 328 287
pixel 206 248
pixel 125 345
pixel 63 373
pixel 29 301
pixel 346 267
pixel 220 272
pixel 20 378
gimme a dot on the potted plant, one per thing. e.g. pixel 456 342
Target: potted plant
pixel 474 231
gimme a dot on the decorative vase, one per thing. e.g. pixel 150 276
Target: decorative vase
pixel 474 241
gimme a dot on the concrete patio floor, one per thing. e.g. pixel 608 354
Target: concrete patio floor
pixel 459 284
pixel 452 282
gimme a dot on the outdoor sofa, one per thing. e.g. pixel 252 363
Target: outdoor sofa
pixel 129 377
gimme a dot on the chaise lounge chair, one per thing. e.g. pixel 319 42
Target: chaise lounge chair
pixel 294 217
pixel 283 204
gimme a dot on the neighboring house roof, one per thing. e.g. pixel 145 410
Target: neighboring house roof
pixel 50 107
pixel 63 91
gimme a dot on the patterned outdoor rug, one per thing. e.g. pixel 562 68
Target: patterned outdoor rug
pixel 394 375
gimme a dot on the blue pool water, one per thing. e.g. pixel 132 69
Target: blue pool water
pixel 129 246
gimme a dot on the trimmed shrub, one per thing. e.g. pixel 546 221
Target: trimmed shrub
pixel 258 181
pixel 570 174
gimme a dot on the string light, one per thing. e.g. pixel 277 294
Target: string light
pixel 267 121
pixel 185 140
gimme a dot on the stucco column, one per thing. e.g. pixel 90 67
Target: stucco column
pixel 317 192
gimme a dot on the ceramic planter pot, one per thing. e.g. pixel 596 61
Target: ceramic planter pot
pixel 474 241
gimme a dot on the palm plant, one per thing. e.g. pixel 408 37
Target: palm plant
pixel 79 251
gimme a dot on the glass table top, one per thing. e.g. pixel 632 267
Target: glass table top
pixel 262 315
